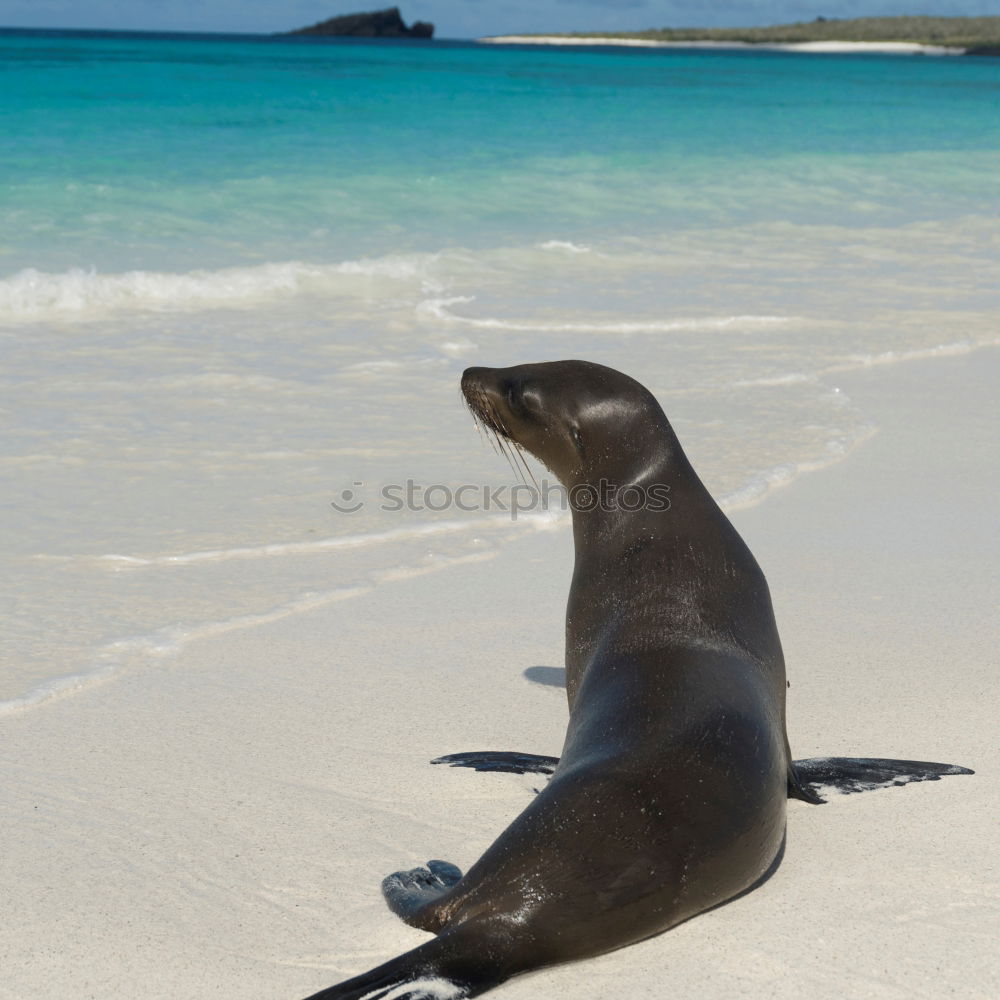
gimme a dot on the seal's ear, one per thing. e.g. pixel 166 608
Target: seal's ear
pixel 574 433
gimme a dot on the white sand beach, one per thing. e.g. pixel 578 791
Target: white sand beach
pixel 216 823
pixel 831 47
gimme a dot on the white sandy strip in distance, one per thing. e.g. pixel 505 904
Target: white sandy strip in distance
pixel 842 48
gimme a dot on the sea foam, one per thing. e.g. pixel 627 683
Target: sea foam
pixel 439 309
pixel 32 295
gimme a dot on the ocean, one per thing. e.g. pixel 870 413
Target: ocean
pixel 240 278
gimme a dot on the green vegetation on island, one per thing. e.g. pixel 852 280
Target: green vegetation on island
pixel 979 35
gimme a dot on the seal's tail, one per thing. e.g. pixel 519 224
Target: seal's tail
pixel 817 776
pixel 454 966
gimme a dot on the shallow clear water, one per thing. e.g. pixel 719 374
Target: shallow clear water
pixel 240 276
pixel 152 152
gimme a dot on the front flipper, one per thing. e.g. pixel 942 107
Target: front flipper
pixel 847 775
pixel 508 762
pixel 840 775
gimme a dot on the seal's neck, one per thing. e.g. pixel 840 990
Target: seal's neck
pixel 635 492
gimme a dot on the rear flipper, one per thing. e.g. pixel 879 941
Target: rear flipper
pixel 500 760
pixel 458 964
pixel 411 894
pixel 819 776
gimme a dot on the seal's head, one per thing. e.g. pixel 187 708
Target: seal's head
pixel 576 417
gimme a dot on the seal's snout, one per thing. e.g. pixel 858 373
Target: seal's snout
pixel 479 392
pixel 474 381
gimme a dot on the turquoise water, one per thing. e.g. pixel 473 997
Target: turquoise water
pixel 240 276
pixel 176 153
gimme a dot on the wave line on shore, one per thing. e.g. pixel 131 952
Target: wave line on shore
pixel 114 658
pixel 438 309
pixel 538 521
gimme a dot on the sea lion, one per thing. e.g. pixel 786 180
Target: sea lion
pixel 669 797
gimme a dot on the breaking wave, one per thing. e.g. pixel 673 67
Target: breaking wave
pixel 31 295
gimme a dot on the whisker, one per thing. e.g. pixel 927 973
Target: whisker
pixel 527 469
pixel 507 444
pixel 505 450
pixel 486 417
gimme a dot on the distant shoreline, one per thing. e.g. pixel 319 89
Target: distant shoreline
pixel 918 35
pixel 789 38
pixel 821 47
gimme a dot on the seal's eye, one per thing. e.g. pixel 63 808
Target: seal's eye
pixel 574 433
pixel 514 397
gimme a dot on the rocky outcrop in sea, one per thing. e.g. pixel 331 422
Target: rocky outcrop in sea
pixel 386 23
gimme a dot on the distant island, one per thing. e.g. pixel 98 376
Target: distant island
pixel 973 35
pixel 386 23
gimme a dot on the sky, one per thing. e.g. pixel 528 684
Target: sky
pixel 460 18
